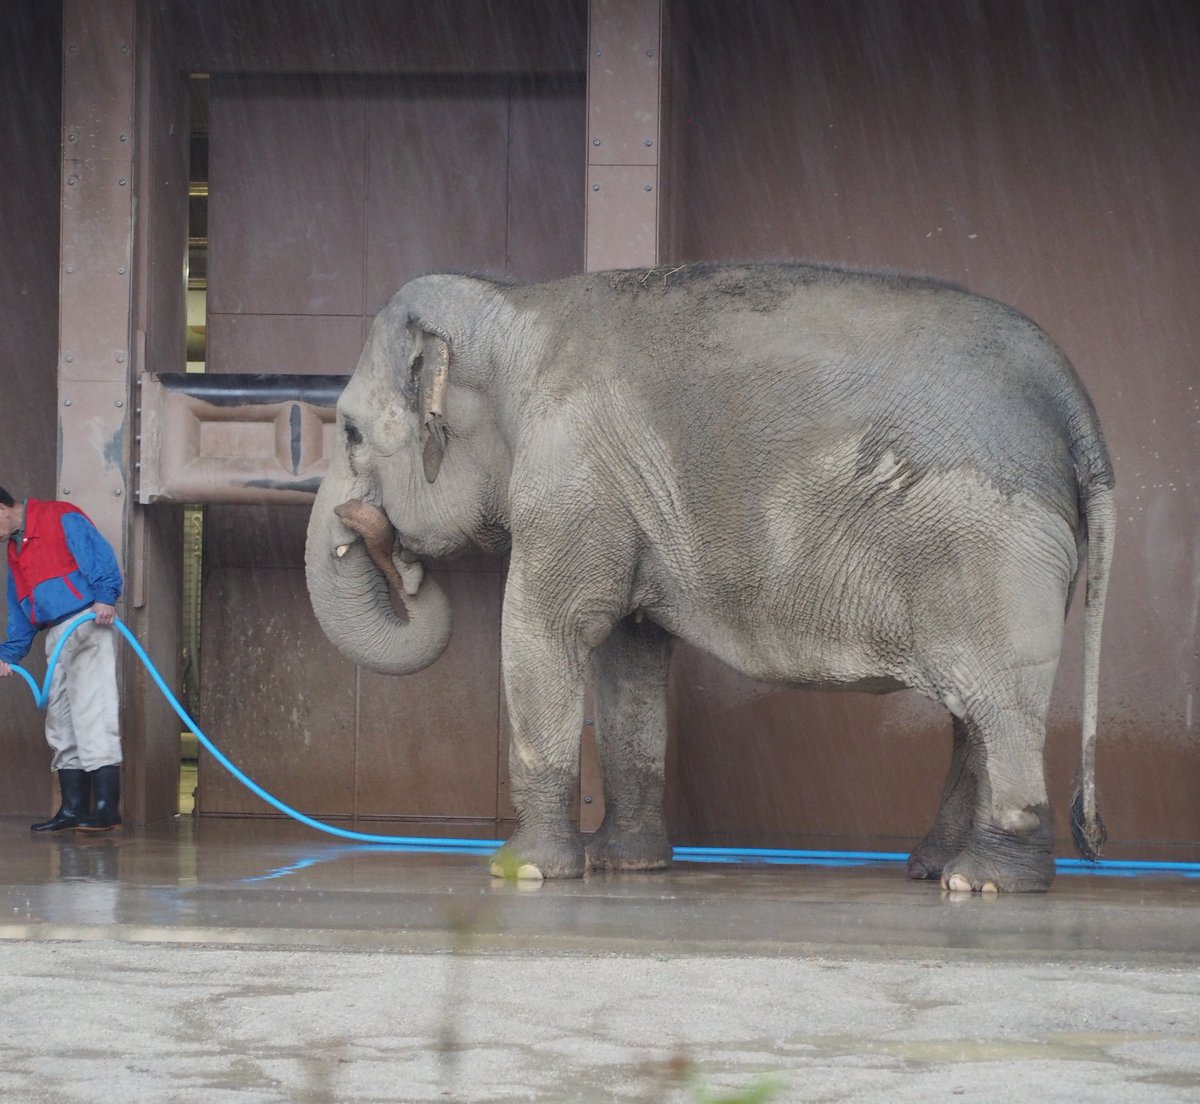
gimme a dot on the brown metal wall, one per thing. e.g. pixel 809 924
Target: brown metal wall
pixel 1048 155
pixel 30 107
pixel 326 194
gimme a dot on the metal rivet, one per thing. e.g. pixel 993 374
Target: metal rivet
pixel 649 142
pixel 649 53
pixel 121 182
pixel 66 402
pixel 66 490
pixel 72 137
pixel 124 138
pixel 117 491
pixel 72 49
pixel 120 358
pixel 648 187
pixel 70 269
pixel 599 53
pixel 595 187
pixel 120 271
pixel 71 180
pixel 124 49
pixel 68 358
pixel 595 141
pixel 119 403
pixel 587 799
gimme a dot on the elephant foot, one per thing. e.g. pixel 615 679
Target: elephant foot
pixel 638 849
pixel 527 858
pixel 928 860
pixel 1001 861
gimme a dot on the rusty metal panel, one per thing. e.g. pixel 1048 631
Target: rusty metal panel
pixel 263 536
pixel 1039 156
pixel 295 344
pixel 286 159
pixel 437 160
pixel 428 743
pixel 384 36
pixel 30 110
pixel 276 696
pixel 545 189
pixel 624 69
pixel 756 764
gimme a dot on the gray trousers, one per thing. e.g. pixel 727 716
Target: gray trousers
pixel 82 714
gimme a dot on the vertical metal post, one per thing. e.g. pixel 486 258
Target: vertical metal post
pixel 95 264
pixel 95 268
pixel 624 111
pixel 624 104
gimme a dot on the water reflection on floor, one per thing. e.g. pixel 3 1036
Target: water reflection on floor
pixel 270 882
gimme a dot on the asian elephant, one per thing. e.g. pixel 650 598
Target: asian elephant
pixel 823 477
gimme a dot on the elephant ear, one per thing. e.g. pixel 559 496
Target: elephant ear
pixel 429 366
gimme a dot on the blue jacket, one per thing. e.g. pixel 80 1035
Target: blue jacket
pixel 58 565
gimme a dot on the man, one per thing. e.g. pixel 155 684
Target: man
pixel 58 566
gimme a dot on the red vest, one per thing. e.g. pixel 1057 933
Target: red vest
pixel 44 553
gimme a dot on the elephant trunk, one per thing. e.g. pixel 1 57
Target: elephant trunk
pixel 350 583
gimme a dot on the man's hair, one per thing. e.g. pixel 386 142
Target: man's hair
pixel 6 499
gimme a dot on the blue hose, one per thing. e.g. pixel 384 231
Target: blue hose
pixel 41 695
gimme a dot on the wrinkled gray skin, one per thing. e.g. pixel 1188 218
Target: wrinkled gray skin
pixel 822 477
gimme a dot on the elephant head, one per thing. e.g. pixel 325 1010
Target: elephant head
pixel 419 467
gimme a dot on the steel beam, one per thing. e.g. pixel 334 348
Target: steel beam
pixel 95 277
pixel 624 106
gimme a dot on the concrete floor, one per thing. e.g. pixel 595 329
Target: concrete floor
pixel 258 961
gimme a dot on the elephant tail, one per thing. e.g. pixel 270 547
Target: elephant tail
pixel 1087 827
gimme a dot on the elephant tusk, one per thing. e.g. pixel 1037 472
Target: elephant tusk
pixel 341 550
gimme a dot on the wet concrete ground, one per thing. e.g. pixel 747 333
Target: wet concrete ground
pixel 257 961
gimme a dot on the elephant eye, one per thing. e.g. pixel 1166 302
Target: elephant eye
pixel 353 434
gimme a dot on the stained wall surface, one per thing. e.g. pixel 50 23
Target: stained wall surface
pixel 1043 154
pixel 30 105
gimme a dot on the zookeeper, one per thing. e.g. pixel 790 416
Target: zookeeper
pixel 58 566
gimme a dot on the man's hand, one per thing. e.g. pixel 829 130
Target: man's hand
pixel 5 670
pixel 104 613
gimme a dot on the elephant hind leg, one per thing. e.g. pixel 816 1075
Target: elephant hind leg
pixel 631 737
pixel 956 813
pixel 1010 844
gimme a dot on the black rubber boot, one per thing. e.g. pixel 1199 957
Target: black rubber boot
pixel 76 789
pixel 106 800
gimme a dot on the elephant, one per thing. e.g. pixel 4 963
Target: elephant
pixel 823 476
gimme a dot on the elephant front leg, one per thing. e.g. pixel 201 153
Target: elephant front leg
pixel 543 680
pixel 631 736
